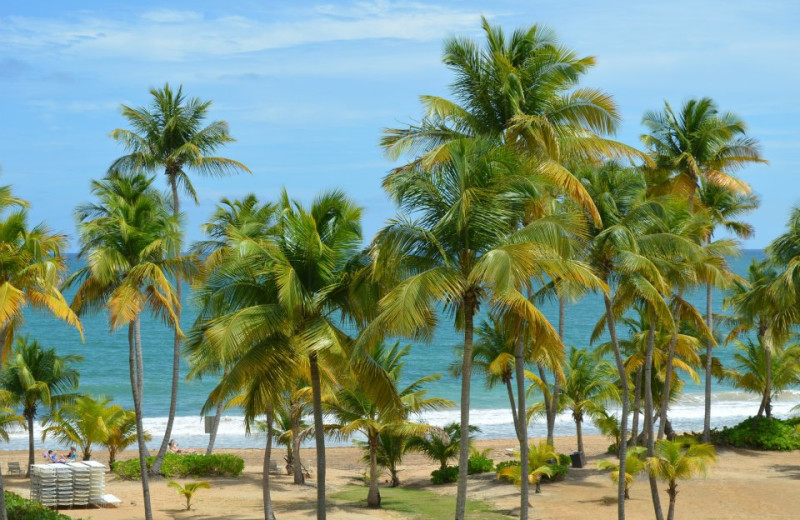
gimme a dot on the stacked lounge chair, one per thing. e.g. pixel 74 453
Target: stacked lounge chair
pixel 68 485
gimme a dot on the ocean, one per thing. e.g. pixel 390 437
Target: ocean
pixel 104 370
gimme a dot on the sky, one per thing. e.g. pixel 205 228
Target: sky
pixel 307 88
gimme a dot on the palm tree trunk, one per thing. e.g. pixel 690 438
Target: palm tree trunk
pixel 551 420
pixel 29 417
pixel 768 375
pixel 297 464
pixel 673 493
pixel 547 401
pixel 3 512
pixel 623 420
pixel 579 432
pixel 134 359
pixel 662 424
pixel 709 345
pixel 212 438
pixel 519 366
pixel 648 414
pixel 176 347
pixel 374 494
pixel 637 400
pixel 319 435
pixel 269 513
pixel 466 379
pixel 511 400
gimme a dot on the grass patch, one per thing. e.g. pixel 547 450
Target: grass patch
pixel 419 504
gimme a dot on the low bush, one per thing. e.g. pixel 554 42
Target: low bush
pixel 219 465
pixel 559 471
pixel 479 462
pixel 19 508
pixel 505 464
pixel 760 434
pixel 445 476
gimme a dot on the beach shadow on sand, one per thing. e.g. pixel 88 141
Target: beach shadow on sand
pixel 788 470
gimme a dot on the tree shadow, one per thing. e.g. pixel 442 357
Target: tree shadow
pixel 791 471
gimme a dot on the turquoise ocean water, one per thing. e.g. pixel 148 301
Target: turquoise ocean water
pixel 105 371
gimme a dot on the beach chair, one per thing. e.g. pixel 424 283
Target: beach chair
pixel 273 466
pixel 14 469
pixel 108 500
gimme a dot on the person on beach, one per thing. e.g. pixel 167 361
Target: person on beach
pixel 53 457
pixel 174 448
pixel 73 454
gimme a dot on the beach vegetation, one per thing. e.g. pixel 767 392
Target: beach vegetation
pixel 634 464
pixel 188 490
pixel 85 422
pixel 541 457
pixel 182 466
pixel 479 461
pixel 761 433
pixel 18 508
pixel 680 459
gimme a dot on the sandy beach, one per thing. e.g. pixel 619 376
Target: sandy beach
pixel 744 484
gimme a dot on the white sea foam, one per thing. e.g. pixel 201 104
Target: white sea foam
pixel 728 408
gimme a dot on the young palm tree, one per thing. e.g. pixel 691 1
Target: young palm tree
pixel 292 289
pixel 122 434
pixel 169 136
pixel 188 490
pixel 354 411
pixel 441 445
pixel 85 422
pixel 699 144
pixel 130 241
pixel 9 418
pixel 634 464
pixel 391 450
pixel 464 248
pixel 679 460
pixel 540 455
pixel 588 385
pixel 36 376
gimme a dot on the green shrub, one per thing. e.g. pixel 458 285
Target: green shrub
pixel 19 508
pixel 505 464
pixel 219 465
pixel 761 434
pixel 564 459
pixel 445 476
pixel 559 471
pixel 479 462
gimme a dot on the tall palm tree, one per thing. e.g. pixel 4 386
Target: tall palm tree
pixel 85 422
pixel 130 240
pixel 36 376
pixel 291 290
pixel 724 207
pixel 169 136
pixel 353 411
pixel 679 460
pixel 588 385
pixel 750 372
pixel 699 144
pixel 464 248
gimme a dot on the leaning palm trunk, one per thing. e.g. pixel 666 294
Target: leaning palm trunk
pixel 519 365
pixel 623 420
pixel 709 344
pixel 135 360
pixel 374 494
pixel 269 513
pixel 319 435
pixel 673 341
pixel 551 418
pixel 176 348
pixel 648 416
pixel 212 438
pixel 513 404
pixel 766 405
pixel 3 513
pixel 466 374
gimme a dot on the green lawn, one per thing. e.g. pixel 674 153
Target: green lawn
pixel 419 504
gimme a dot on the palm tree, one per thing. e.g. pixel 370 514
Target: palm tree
pixel 699 144
pixel 634 464
pixel 122 434
pixel 9 418
pixel 36 376
pixel 391 450
pixel 441 445
pixel 354 411
pixel 540 456
pixel 723 206
pixel 188 490
pixel 31 267
pixel 169 135
pixel 464 248
pixel 130 241
pixel 291 290
pixel 588 384
pixel 85 422
pixel 679 460
pixel 750 373
pixel 520 91
pixel 291 429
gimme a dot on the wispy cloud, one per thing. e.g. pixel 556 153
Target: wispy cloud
pixel 168 35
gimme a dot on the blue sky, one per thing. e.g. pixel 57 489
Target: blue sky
pixel 307 87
